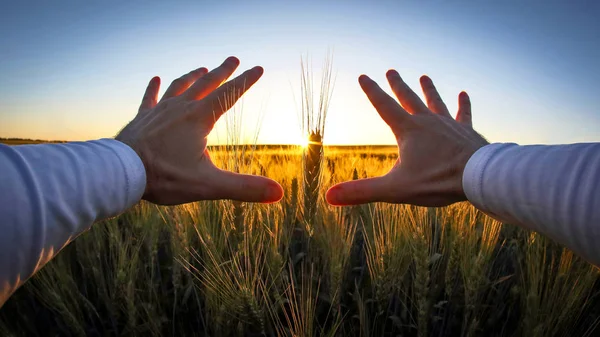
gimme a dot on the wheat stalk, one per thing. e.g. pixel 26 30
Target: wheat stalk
pixel 313 117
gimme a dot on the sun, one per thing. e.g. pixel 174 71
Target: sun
pixel 303 142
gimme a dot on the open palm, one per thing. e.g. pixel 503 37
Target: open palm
pixel 433 148
pixel 170 136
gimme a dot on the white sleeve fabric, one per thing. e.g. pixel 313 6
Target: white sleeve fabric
pixel 552 189
pixel 51 193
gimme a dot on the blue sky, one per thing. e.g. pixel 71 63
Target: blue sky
pixel 77 70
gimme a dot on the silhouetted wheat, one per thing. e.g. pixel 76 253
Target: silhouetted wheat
pixel 313 115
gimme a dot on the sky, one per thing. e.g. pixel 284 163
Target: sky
pixel 76 70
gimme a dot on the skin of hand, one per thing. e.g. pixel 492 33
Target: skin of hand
pixel 170 137
pixel 433 148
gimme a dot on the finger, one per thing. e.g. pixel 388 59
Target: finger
pixel 390 111
pixel 151 95
pixel 229 93
pixel 181 84
pixel 434 101
pixel 407 97
pixel 464 110
pixel 212 80
pixel 360 191
pixel 242 187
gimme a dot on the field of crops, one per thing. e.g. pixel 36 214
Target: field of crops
pixel 23 141
pixel 303 268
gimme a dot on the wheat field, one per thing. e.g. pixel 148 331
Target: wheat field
pixel 223 268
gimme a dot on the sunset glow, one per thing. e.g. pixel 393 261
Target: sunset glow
pixel 476 51
pixel 304 142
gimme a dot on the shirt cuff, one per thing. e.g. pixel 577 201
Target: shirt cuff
pixel 473 178
pixel 134 169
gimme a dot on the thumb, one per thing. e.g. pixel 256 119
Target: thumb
pixel 243 187
pixel 360 191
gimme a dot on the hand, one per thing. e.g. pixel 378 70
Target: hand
pixel 433 148
pixel 170 137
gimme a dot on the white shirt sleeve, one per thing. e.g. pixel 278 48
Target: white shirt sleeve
pixel 51 193
pixel 554 190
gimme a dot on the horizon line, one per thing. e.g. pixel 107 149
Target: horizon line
pixel 210 145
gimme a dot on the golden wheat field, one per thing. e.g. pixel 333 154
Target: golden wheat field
pixel 303 268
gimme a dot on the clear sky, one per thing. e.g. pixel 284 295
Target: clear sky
pixel 77 70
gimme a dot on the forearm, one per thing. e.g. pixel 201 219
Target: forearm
pixel 554 190
pixel 51 193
